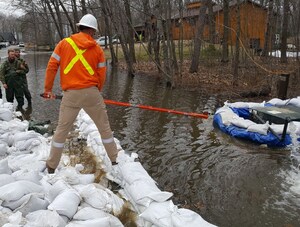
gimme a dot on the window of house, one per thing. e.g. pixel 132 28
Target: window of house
pixel 192 21
pixel 254 43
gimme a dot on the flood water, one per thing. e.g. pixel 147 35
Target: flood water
pixel 227 181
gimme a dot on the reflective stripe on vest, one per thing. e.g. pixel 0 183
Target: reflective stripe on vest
pixel 56 56
pixel 101 64
pixel 78 56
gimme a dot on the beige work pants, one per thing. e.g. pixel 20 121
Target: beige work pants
pixel 73 101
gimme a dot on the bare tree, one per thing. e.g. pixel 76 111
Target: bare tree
pixel 180 41
pixel 130 37
pixel 236 59
pixel 211 22
pixel 295 24
pixel 198 37
pixel 83 7
pixel 147 18
pixel 71 21
pixel 57 22
pixel 120 25
pixel 268 33
pixel 284 32
pixel 105 8
pixel 154 40
pixel 74 10
pixel 225 31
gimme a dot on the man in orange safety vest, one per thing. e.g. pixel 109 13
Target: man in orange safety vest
pixel 82 76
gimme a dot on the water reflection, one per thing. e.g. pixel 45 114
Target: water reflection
pixel 229 182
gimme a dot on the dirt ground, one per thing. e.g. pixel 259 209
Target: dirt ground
pixel 255 78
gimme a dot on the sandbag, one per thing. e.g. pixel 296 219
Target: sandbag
pixel 95 197
pixel 6 179
pixel 133 171
pixel 44 218
pixel 52 191
pixel 5 114
pixel 91 223
pixel 17 189
pixel 66 203
pixel 34 202
pixel 29 175
pixel 88 213
pixel 259 128
pixel 8 105
pixel 4 168
pixel 167 214
pixel 3 148
pixel 143 193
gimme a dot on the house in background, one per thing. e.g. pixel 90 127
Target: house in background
pixel 8 37
pixel 253 23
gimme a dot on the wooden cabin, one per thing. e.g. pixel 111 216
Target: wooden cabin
pixel 253 23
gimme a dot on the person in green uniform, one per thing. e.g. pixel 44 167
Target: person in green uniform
pixel 10 72
pixel 23 76
pixel 0 92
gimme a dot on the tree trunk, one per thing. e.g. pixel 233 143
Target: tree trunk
pixel 237 46
pixel 154 41
pixel 131 31
pixel 268 36
pixel 170 40
pixel 56 22
pixel 105 8
pixel 284 32
pixel 199 34
pixel 212 23
pixel 74 10
pixel 71 22
pixel 83 6
pixel 226 31
pixel 58 15
pixel 180 41
pixel 147 19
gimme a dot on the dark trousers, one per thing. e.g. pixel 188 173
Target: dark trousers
pixel 14 89
pixel 26 90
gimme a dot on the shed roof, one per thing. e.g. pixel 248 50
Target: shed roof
pixel 7 36
pixel 192 12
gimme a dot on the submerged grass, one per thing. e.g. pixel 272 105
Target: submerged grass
pixel 80 153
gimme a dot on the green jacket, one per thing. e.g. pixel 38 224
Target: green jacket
pixel 11 70
pixel 26 70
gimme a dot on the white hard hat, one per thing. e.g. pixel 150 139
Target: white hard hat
pixel 88 20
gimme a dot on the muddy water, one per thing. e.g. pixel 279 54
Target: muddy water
pixel 228 182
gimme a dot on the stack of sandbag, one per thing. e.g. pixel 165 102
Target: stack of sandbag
pixel 64 198
pixel 89 131
pixel 153 205
pixel 29 196
pixel 229 117
pixel 6 111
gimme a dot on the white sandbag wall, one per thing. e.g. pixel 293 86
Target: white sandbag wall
pixel 30 197
pixel 153 205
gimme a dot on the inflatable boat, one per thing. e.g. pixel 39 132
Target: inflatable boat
pixel 274 123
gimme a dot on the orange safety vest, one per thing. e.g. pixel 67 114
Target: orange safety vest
pixel 81 61
pixel 78 57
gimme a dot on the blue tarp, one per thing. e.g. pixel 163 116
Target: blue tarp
pixel 237 132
